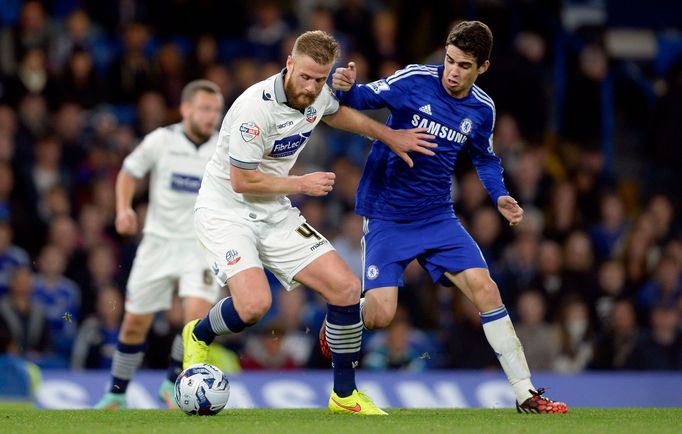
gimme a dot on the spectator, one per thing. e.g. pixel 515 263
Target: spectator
pixel 610 231
pixel 578 277
pixel 79 83
pixel 520 266
pixel 611 283
pixel 268 31
pixel 268 349
pixel 540 340
pixel 465 341
pixel 97 337
pixel 665 287
pixel 11 257
pixel 613 349
pixel 660 348
pixel 34 30
pixel 549 279
pixel 205 58
pixel 170 73
pixel 562 215
pixel 25 320
pixel 131 73
pixel 576 336
pixel 21 378
pixel 399 346
pixel 486 229
pixel 348 243
pixel 59 299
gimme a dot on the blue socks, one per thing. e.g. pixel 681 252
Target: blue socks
pixel 344 336
pixel 127 359
pixel 222 319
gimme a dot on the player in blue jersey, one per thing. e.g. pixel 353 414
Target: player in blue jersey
pixel 408 211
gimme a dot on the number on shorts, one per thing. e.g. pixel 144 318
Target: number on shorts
pixel 208 277
pixel 306 231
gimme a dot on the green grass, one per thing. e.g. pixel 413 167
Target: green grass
pixel 19 419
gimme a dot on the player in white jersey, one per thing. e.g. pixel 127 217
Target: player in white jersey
pixel 245 221
pixel 169 254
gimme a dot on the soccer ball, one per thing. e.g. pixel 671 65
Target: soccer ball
pixel 202 389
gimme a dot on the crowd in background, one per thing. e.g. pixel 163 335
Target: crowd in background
pixel 592 276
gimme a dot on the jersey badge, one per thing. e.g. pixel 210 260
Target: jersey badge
pixel 465 126
pixel 310 114
pixel 232 257
pixel 372 272
pixel 249 131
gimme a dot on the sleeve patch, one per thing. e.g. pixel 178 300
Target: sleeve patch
pixel 379 86
pixel 249 131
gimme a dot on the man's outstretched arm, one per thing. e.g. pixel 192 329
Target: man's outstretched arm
pixel 400 141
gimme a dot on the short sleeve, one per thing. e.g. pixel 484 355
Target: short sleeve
pixel 331 102
pixel 246 133
pixel 139 162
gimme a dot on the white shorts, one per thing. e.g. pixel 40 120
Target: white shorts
pixel 160 264
pixel 233 244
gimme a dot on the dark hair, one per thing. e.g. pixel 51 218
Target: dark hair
pixel 472 37
pixel 318 45
pixel 195 86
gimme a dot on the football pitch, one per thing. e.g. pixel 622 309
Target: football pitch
pixel 20 419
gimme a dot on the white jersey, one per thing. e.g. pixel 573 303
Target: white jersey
pixel 260 132
pixel 177 166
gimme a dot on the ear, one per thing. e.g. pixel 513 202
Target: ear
pixel 483 68
pixel 184 110
pixel 290 62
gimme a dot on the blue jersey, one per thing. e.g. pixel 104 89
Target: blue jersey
pixel 389 188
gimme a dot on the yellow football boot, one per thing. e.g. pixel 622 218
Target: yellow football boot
pixel 194 351
pixel 356 403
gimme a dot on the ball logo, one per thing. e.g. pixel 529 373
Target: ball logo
pixel 465 126
pixel 249 131
pixel 232 257
pixel 310 114
pixel 372 272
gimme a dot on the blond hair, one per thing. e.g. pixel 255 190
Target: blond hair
pixel 195 86
pixel 318 45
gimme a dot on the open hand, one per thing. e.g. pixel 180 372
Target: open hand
pixel 510 209
pixel 414 140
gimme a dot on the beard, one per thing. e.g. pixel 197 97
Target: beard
pixel 298 100
pixel 199 133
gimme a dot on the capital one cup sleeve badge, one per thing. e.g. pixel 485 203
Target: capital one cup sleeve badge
pixel 249 131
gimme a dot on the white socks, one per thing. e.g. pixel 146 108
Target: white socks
pixel 500 333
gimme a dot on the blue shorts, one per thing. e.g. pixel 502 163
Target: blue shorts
pixel 440 244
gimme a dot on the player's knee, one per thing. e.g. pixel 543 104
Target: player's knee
pixel 347 291
pixel 383 316
pixel 254 310
pixel 487 295
pixel 133 330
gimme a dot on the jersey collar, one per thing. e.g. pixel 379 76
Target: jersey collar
pixel 280 95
